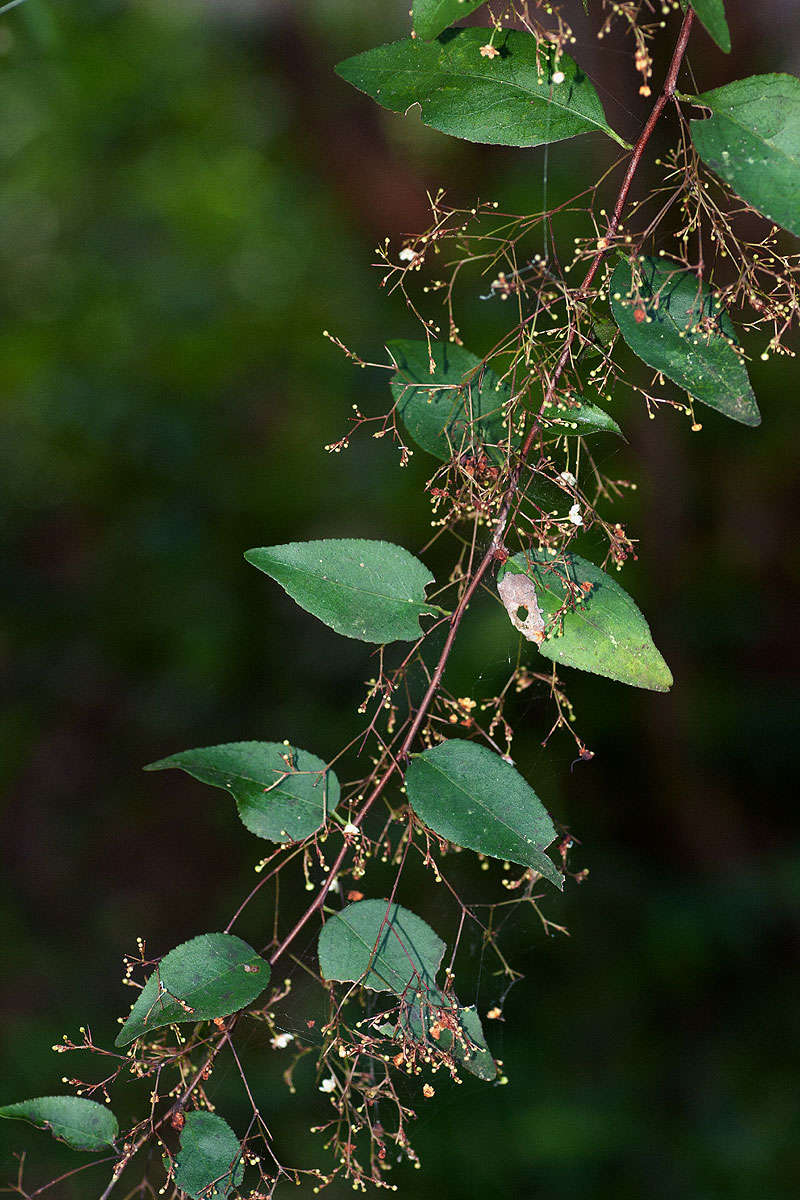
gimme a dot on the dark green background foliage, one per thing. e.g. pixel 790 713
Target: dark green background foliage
pixel 189 196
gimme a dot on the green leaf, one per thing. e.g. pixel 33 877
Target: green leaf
pixel 672 321
pixel 469 795
pixel 601 629
pixel 212 975
pixel 372 591
pixel 578 417
pixel 461 406
pixel 510 100
pixel 601 335
pixel 209 1163
pixel 432 16
pixel 82 1124
pixel 752 141
pixel 454 408
pixel 475 1054
pixel 712 14
pixel 386 948
pixel 282 793
pixel 460 1032
pixel 386 944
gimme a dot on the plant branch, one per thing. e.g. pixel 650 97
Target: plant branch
pixel 501 525
pixel 502 519
pixel 667 93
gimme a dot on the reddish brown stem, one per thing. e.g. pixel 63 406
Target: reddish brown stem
pixel 667 93
pixel 413 729
pixel 502 521
pixel 480 571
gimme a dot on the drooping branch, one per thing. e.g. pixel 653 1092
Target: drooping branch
pixel 501 524
pixel 513 491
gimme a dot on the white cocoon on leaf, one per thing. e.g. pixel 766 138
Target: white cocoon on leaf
pixel 518 591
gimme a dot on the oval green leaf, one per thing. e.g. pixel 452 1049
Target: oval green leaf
pixel 471 796
pixel 459 406
pixel 752 141
pixel 671 320
pixel 372 591
pixel 712 15
pixel 508 100
pixel 212 975
pixel 209 1162
pixel 432 16
pixel 382 946
pixel 281 793
pixel 81 1124
pixel 599 628
pixel 577 417
pixel 599 336
pixel 386 948
pixel 461 1033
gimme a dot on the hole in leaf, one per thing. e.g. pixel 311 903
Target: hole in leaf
pixel 518 594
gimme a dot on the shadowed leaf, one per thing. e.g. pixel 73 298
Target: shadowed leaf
pixel 386 948
pixel 372 591
pixel 81 1124
pixel 508 100
pixel 212 975
pixel 456 1030
pixel 209 1162
pixel 390 947
pixel 577 417
pixel 453 409
pixel 752 141
pixel 602 630
pixel 712 15
pixel 432 16
pixel 281 793
pixel 671 320
pixel 469 795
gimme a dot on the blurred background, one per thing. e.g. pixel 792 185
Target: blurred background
pixel 188 196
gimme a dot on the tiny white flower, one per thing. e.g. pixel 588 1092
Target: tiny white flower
pixel 334 886
pixel 281 1041
pixel 328 1085
pixel 558 77
pixel 407 254
pixel 350 828
pixel 568 478
pixel 575 515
